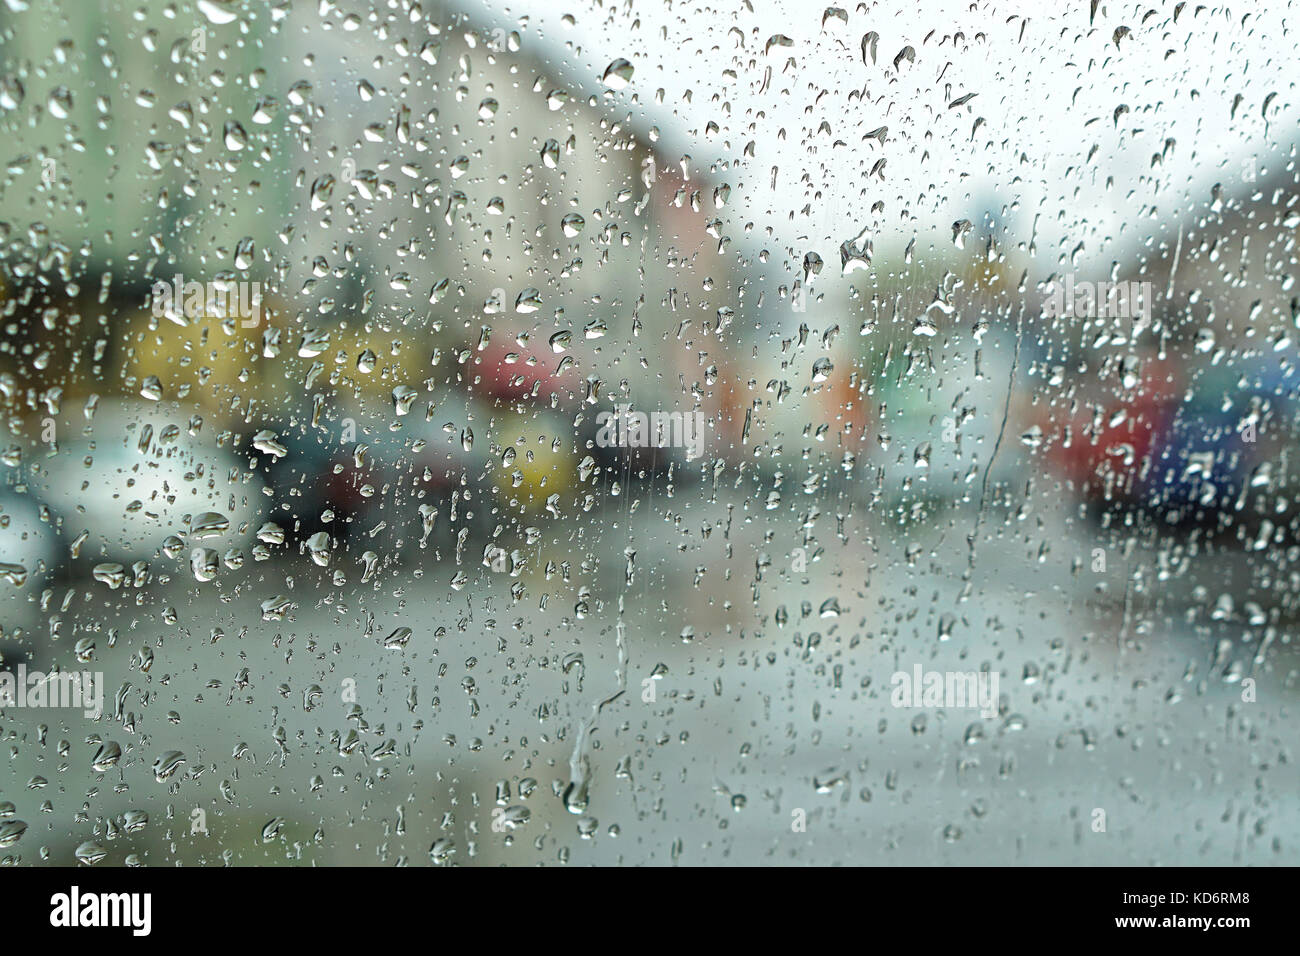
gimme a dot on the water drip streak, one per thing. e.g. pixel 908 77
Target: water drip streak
pixel 576 795
pixel 984 485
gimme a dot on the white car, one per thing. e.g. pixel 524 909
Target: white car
pixel 146 482
pixel 30 552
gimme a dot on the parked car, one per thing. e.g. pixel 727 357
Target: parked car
pixel 144 482
pixel 1187 445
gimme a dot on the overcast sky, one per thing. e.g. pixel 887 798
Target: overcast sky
pixel 1040 128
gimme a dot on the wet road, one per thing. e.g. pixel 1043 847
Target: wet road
pixel 770 737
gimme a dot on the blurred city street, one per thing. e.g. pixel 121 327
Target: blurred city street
pixel 949 513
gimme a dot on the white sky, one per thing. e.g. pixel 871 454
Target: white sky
pixel 1047 101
